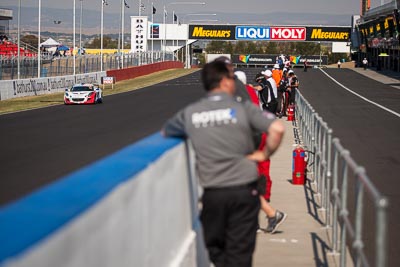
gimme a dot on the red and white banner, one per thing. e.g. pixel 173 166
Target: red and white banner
pixel 288 33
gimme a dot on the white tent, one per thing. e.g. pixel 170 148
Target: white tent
pixel 50 43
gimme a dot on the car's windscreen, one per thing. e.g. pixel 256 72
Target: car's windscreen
pixel 81 89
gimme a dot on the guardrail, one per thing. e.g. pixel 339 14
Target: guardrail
pixel 109 213
pixel 331 172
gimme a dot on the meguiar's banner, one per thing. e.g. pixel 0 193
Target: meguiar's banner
pixel 328 34
pixel 212 32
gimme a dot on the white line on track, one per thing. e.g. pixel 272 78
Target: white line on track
pixel 360 96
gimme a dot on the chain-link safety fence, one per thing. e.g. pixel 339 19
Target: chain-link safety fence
pixel 60 66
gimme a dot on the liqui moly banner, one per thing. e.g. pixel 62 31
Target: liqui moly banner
pixel 270 33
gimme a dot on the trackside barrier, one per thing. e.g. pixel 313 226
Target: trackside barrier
pixel 137 207
pixel 337 177
pixel 136 71
pixel 39 86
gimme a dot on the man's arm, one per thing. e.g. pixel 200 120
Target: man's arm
pixel 175 126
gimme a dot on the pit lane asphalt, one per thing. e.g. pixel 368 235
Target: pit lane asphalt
pixel 370 133
pixel 40 146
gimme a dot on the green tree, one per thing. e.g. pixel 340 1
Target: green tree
pixel 271 48
pixel 108 43
pixel 216 47
pixel 335 57
pixel 31 40
pixel 306 48
pixel 229 47
pixel 252 48
pixel 240 48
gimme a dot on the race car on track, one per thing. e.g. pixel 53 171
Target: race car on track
pixel 85 93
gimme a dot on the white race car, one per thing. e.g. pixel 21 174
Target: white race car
pixel 85 93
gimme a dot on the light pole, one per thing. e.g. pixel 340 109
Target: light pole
pixel 57 22
pixel 320 54
pixel 152 34
pixel 122 33
pixel 40 10
pixel 203 20
pixel 198 14
pixel 80 26
pixel 73 52
pixel 165 26
pixel 187 52
pixel 103 2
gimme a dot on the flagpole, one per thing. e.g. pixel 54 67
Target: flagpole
pixel 74 41
pixel 119 30
pixel 40 10
pixel 101 35
pixel 152 33
pixel 173 23
pixel 19 41
pixel 122 30
pixel 165 34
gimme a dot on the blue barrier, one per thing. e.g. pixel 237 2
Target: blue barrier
pixel 30 221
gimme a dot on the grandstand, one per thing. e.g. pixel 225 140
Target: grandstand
pixel 7 47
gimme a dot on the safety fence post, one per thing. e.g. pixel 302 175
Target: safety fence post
pixel 331 164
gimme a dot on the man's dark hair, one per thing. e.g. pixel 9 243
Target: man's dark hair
pixel 259 77
pixel 213 73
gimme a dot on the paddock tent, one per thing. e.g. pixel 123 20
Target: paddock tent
pixel 50 43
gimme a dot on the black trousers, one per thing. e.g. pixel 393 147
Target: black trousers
pixel 230 220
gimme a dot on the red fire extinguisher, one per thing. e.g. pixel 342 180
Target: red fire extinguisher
pixel 290 113
pixel 299 165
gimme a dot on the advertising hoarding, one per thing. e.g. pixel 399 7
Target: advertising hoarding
pixel 269 60
pixel 270 33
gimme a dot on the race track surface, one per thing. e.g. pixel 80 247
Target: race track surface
pixel 41 146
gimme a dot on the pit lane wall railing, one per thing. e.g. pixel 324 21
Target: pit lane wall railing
pixel 137 207
pixel 345 192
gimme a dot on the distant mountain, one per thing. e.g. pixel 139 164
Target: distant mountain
pixel 91 19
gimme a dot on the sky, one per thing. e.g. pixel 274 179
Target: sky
pixel 214 6
pixel 256 12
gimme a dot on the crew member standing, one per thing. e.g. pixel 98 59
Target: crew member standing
pixel 293 84
pixel 221 131
pixel 305 65
pixel 275 217
pixel 365 63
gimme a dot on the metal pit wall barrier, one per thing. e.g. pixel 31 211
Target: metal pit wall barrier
pixel 342 199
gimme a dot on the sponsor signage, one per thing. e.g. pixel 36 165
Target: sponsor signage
pixel 328 34
pixel 155 31
pixel 254 59
pixel 138 34
pixel 271 59
pixel 107 80
pixel 212 32
pixel 270 33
